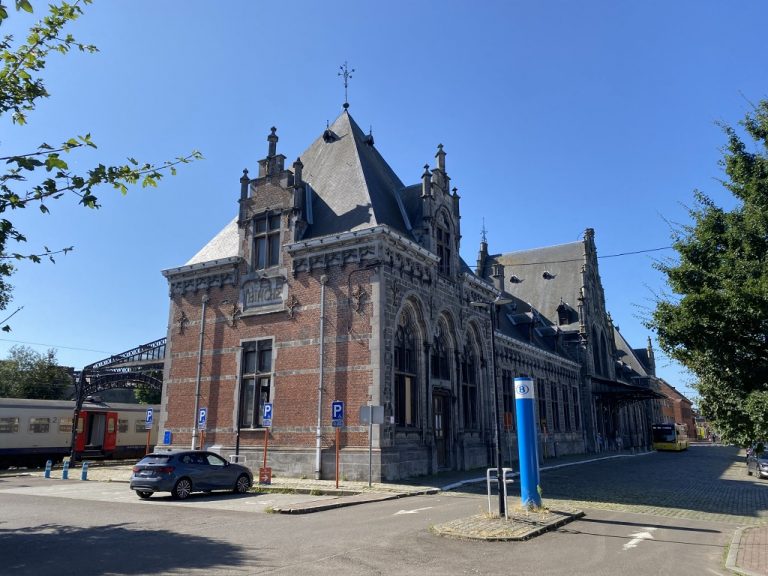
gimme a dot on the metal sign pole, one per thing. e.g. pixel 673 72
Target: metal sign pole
pixel 370 444
pixel 338 436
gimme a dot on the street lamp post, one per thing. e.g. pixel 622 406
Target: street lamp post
pixel 491 307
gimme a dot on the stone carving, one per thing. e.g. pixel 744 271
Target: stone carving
pixel 182 321
pixel 291 306
pixel 262 292
pixel 358 298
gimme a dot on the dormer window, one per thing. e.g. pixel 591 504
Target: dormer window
pixel 443 240
pixel 266 241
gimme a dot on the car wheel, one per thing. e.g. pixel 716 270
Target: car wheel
pixel 182 489
pixel 144 494
pixel 242 485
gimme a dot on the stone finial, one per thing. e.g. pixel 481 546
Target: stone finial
pixel 440 158
pixel 426 182
pixel 244 180
pixel 272 139
pixel 297 168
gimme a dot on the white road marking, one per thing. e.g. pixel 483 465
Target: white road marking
pixel 638 537
pixel 414 511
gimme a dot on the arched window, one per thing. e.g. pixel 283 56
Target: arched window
pixel 469 388
pixel 443 240
pixel 596 353
pixel 441 369
pixel 406 380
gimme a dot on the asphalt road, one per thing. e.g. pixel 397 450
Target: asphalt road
pixel 51 527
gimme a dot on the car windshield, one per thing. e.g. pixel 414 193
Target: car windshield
pixel 155 459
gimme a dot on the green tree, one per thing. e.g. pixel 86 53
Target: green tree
pixel 715 322
pixel 30 374
pixel 37 177
pixel 147 395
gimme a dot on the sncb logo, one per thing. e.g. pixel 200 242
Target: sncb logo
pixel 523 389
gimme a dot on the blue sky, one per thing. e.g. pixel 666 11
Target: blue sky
pixel 556 116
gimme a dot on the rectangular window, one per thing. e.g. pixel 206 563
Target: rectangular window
pixel 405 407
pixel 266 241
pixel 508 387
pixel 138 426
pixel 566 410
pixel 556 427
pixel 541 395
pixel 576 409
pixel 255 384
pixel 65 424
pixel 122 426
pixel 39 425
pixel 9 425
pixel 469 392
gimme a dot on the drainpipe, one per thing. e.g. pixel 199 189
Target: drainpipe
pixel 318 433
pixel 195 430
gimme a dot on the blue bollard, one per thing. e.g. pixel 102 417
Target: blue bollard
pixel 65 471
pixel 84 472
pixel 48 466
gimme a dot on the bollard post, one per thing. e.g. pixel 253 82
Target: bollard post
pixel 84 471
pixel 65 471
pixel 48 466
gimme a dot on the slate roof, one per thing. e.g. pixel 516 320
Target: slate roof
pixel 354 188
pixel 627 354
pixel 562 263
pixel 223 245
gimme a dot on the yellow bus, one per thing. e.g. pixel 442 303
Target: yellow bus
pixel 670 436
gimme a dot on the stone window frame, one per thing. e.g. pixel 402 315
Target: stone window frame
pixel 406 382
pixel 444 235
pixel 266 239
pixel 256 382
pixel 469 379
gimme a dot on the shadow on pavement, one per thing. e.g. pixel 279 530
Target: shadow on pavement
pixel 53 549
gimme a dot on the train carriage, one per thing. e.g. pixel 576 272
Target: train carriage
pixel 33 431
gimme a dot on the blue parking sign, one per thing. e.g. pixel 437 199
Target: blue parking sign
pixel 149 419
pixel 267 419
pixel 202 418
pixel 337 413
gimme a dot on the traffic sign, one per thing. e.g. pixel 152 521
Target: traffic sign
pixel 202 418
pixel 266 421
pixel 337 413
pixel 148 420
pixel 371 414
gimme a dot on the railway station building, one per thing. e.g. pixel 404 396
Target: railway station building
pixel 335 281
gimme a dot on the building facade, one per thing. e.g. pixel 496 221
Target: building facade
pixel 337 282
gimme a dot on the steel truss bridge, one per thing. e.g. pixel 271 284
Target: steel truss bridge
pixel 140 367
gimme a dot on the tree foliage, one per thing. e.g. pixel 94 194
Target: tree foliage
pixel 716 321
pixel 147 395
pixel 34 178
pixel 29 374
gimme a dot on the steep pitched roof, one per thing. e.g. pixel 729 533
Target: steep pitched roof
pixel 627 354
pixel 545 277
pixel 223 245
pixel 354 188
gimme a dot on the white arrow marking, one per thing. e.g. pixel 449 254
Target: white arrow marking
pixel 414 511
pixel 638 537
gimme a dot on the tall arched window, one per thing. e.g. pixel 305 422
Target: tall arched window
pixel 441 369
pixel 596 353
pixel 443 240
pixel 469 388
pixel 406 380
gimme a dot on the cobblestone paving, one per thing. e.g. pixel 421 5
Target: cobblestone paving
pixel 704 483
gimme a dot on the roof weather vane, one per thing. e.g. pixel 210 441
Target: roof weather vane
pixel 345 73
